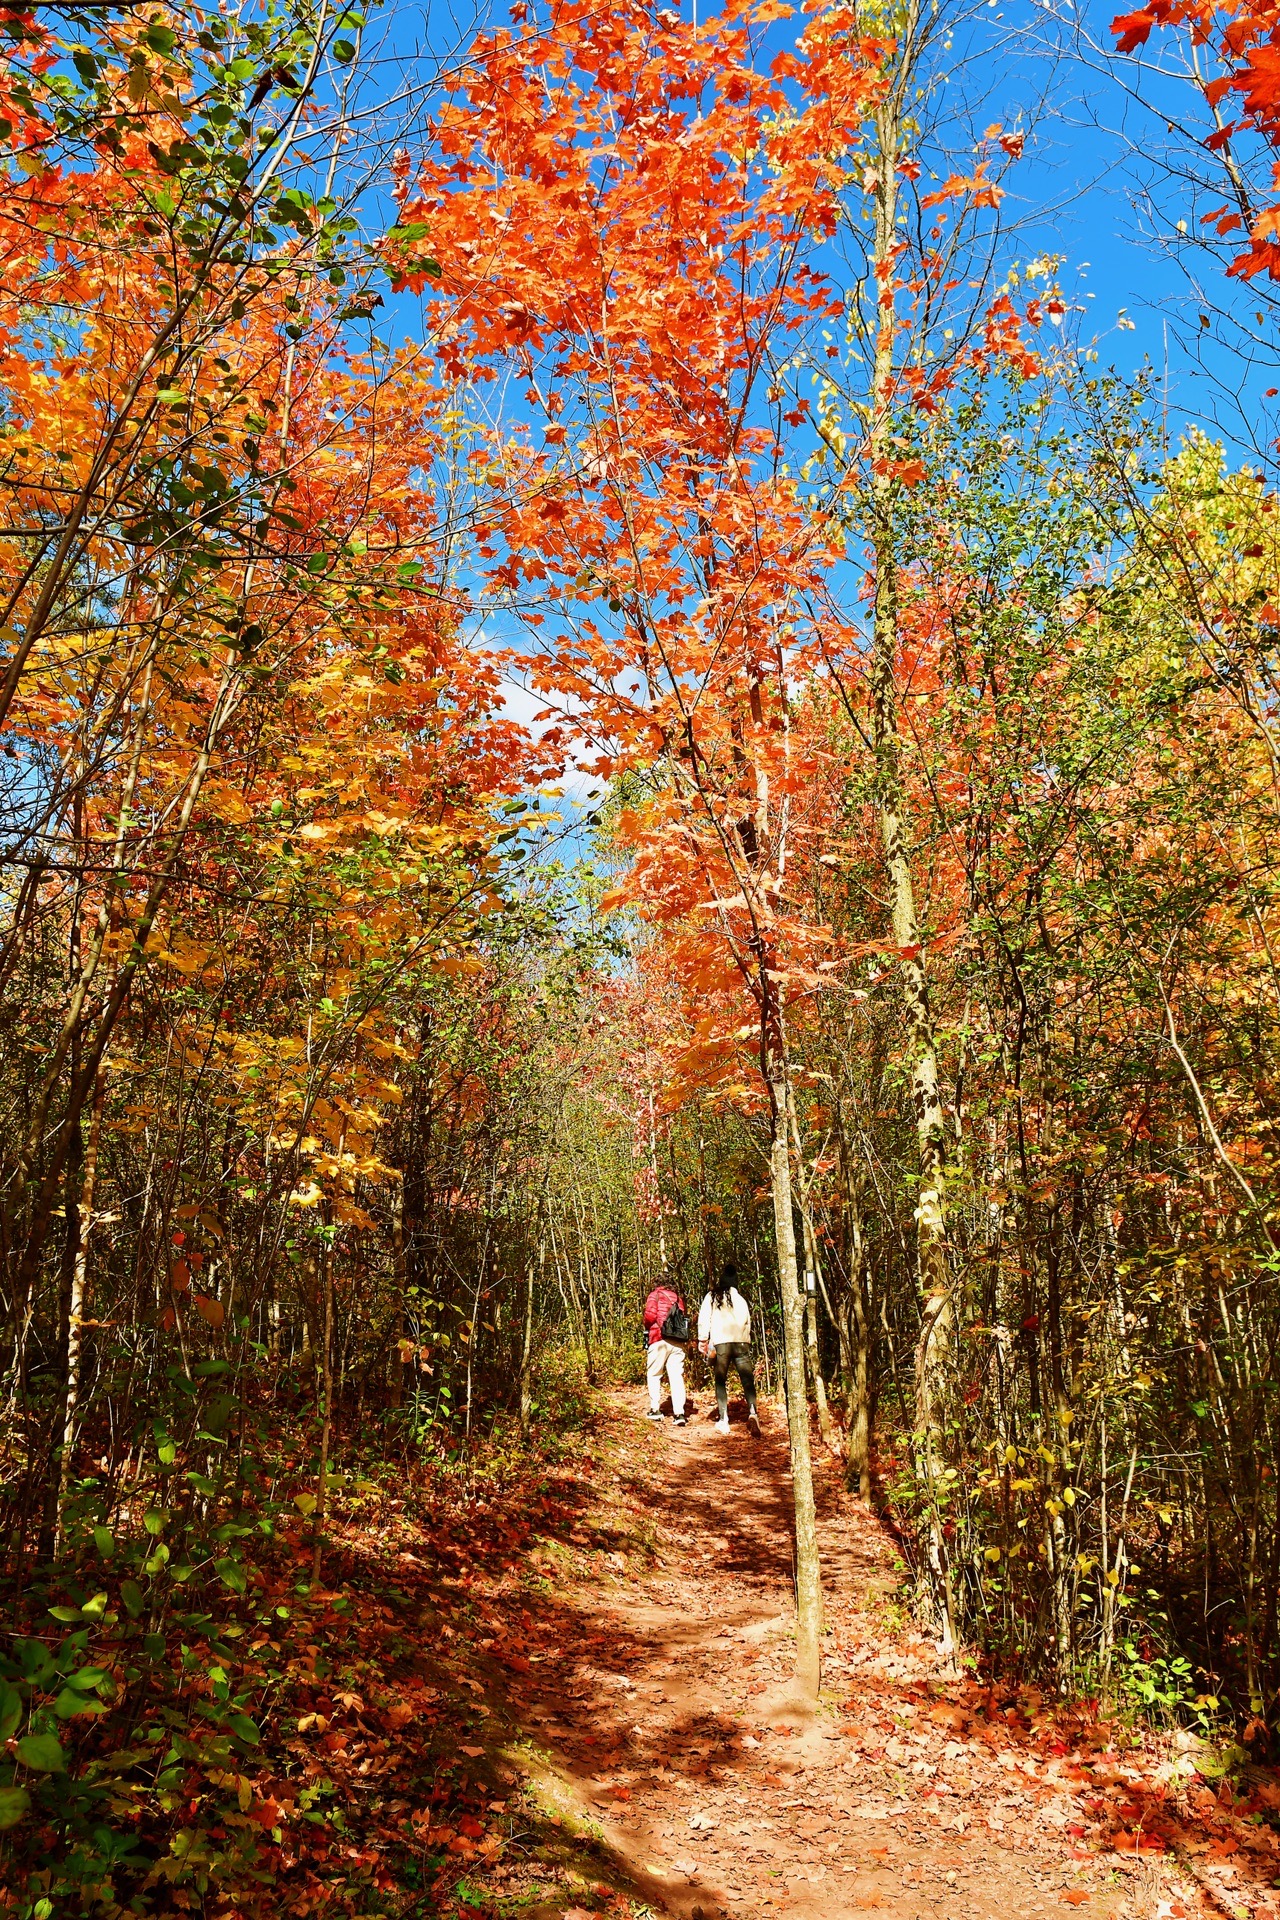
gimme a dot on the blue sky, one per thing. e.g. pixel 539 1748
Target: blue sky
pixel 1103 183
pixel 1112 165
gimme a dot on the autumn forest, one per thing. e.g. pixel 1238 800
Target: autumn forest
pixel 600 675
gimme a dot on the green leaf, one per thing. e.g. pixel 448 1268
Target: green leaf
pixel 244 1728
pixel 344 50
pixel 210 1369
pixel 88 1680
pixel 69 1703
pixel 154 1520
pixel 232 1574
pixel 65 1613
pixel 95 1608
pixel 14 1802
pixel 42 1753
pixel 305 1503
pixel 10 1710
pixel 155 1645
pixel 105 1541
pixel 131 1594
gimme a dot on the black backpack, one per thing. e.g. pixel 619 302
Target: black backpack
pixel 675 1327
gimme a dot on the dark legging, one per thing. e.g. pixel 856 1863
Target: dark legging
pixel 732 1353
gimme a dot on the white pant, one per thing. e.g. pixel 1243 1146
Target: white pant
pixel 664 1357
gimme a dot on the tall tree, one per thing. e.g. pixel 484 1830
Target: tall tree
pixel 625 211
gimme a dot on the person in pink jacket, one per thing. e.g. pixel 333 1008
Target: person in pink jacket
pixel 665 1318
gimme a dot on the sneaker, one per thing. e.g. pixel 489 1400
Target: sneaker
pixel 681 1421
pixel 722 1426
pixel 655 1413
pixel 753 1421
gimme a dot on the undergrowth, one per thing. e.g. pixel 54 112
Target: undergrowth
pixel 193 1722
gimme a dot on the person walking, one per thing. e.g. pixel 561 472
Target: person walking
pixel 724 1335
pixel 666 1325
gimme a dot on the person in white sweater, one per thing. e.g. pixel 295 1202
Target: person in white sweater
pixel 724 1335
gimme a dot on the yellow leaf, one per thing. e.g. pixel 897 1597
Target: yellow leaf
pixel 186 957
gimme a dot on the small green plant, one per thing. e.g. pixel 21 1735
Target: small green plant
pixel 1162 1685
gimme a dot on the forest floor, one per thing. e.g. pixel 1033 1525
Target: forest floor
pixel 623 1681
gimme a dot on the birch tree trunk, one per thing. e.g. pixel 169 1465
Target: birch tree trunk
pixel 937 1310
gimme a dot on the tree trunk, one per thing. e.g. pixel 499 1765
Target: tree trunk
pixel 326 1427
pixel 400 1276
pixel 76 1309
pixel 526 1352
pixel 857 1467
pixel 937 1315
pixel 808 1566
pixel 812 1278
pixel 826 1426
pixel 935 1327
pixel 856 1337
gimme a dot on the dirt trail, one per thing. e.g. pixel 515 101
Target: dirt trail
pixel 652 1723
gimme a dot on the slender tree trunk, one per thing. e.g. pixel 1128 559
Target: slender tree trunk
pixel 326 1425
pixel 526 1351
pixel 400 1278
pixel 808 1565
pixel 1113 1573
pixel 930 1464
pixel 856 1333
pixel 76 1310
pixel 933 1350
pixel 826 1426
pixel 858 1455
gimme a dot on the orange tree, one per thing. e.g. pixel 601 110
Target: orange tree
pixel 626 210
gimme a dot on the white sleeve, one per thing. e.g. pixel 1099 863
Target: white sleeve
pixel 746 1320
pixel 704 1318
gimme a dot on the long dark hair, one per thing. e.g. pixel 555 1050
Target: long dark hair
pixel 724 1286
